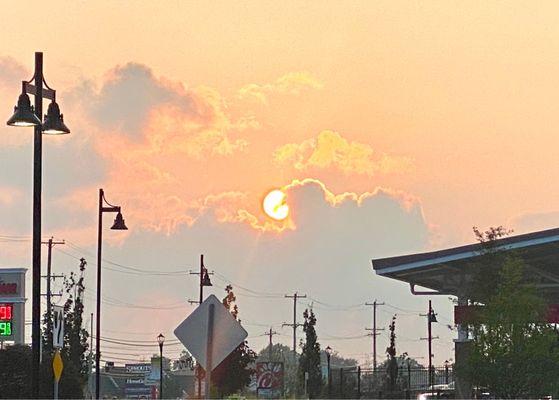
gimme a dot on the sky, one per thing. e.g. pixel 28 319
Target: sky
pixel 393 127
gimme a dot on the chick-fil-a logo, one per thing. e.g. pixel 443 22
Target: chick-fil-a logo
pixel 269 375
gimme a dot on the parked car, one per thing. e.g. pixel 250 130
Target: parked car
pixel 445 391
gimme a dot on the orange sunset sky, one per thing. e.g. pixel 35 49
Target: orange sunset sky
pixel 393 127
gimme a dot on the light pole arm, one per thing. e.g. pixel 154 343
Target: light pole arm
pixel 114 209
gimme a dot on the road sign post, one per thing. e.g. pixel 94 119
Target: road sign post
pixel 57 367
pixel 209 365
pixel 58 327
pixel 210 333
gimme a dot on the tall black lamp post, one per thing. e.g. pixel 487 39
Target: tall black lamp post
pixel 53 124
pixel 160 340
pixel 328 351
pixel 104 206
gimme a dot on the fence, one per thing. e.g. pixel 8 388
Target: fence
pixel 356 382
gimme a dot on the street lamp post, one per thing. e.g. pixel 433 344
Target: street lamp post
pixel 104 206
pixel 160 340
pixel 328 354
pixel 26 115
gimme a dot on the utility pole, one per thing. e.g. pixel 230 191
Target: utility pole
pixel 270 333
pixel 50 243
pixel 375 330
pixel 204 281
pixel 431 317
pixel 294 324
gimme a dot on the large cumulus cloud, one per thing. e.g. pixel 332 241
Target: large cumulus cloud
pixel 326 256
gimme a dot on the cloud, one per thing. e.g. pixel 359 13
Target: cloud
pixel 534 221
pixel 11 74
pixel 293 83
pixel 330 150
pixel 326 257
pixel 131 103
pixel 129 93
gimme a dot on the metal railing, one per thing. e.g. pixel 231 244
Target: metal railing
pixel 356 382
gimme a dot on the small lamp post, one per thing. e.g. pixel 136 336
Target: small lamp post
pixel 160 340
pixel 328 351
pixel 119 225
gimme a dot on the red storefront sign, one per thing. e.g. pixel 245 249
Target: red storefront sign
pixel 8 288
pixel 471 314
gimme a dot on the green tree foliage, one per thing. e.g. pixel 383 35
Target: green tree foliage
pixel 309 361
pixel 75 336
pixel 76 368
pixel 234 373
pixel 486 269
pixel 392 364
pixel 15 372
pixel 513 353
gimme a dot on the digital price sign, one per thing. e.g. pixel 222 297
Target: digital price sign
pixel 6 314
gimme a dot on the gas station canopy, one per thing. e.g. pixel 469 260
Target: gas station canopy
pixel 448 271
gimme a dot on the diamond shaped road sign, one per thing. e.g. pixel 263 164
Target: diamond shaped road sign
pixel 227 332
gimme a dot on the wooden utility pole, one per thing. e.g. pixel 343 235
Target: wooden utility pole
pixel 431 317
pixel 270 333
pixel 204 281
pixel 50 243
pixel 375 332
pixel 295 296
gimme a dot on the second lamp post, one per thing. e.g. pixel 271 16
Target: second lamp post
pixel 160 341
pixel 104 206
pixel 328 351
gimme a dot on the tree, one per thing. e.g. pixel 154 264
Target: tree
pixel 513 352
pixel 309 361
pixel 75 373
pixel 15 372
pixel 486 270
pixel 392 365
pixel 235 371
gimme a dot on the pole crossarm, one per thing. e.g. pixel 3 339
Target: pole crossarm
pixel 32 89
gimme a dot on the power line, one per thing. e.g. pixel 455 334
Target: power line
pixel 127 268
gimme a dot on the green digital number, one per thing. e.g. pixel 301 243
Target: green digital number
pixel 5 329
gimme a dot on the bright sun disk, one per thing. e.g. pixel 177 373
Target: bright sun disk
pixel 275 206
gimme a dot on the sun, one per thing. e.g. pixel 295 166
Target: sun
pixel 274 205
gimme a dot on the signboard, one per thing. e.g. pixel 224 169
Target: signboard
pixel 57 327
pixel 135 385
pixel 138 368
pixel 269 375
pixel 472 314
pixel 6 315
pixel 12 304
pixel 57 366
pixel 227 332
